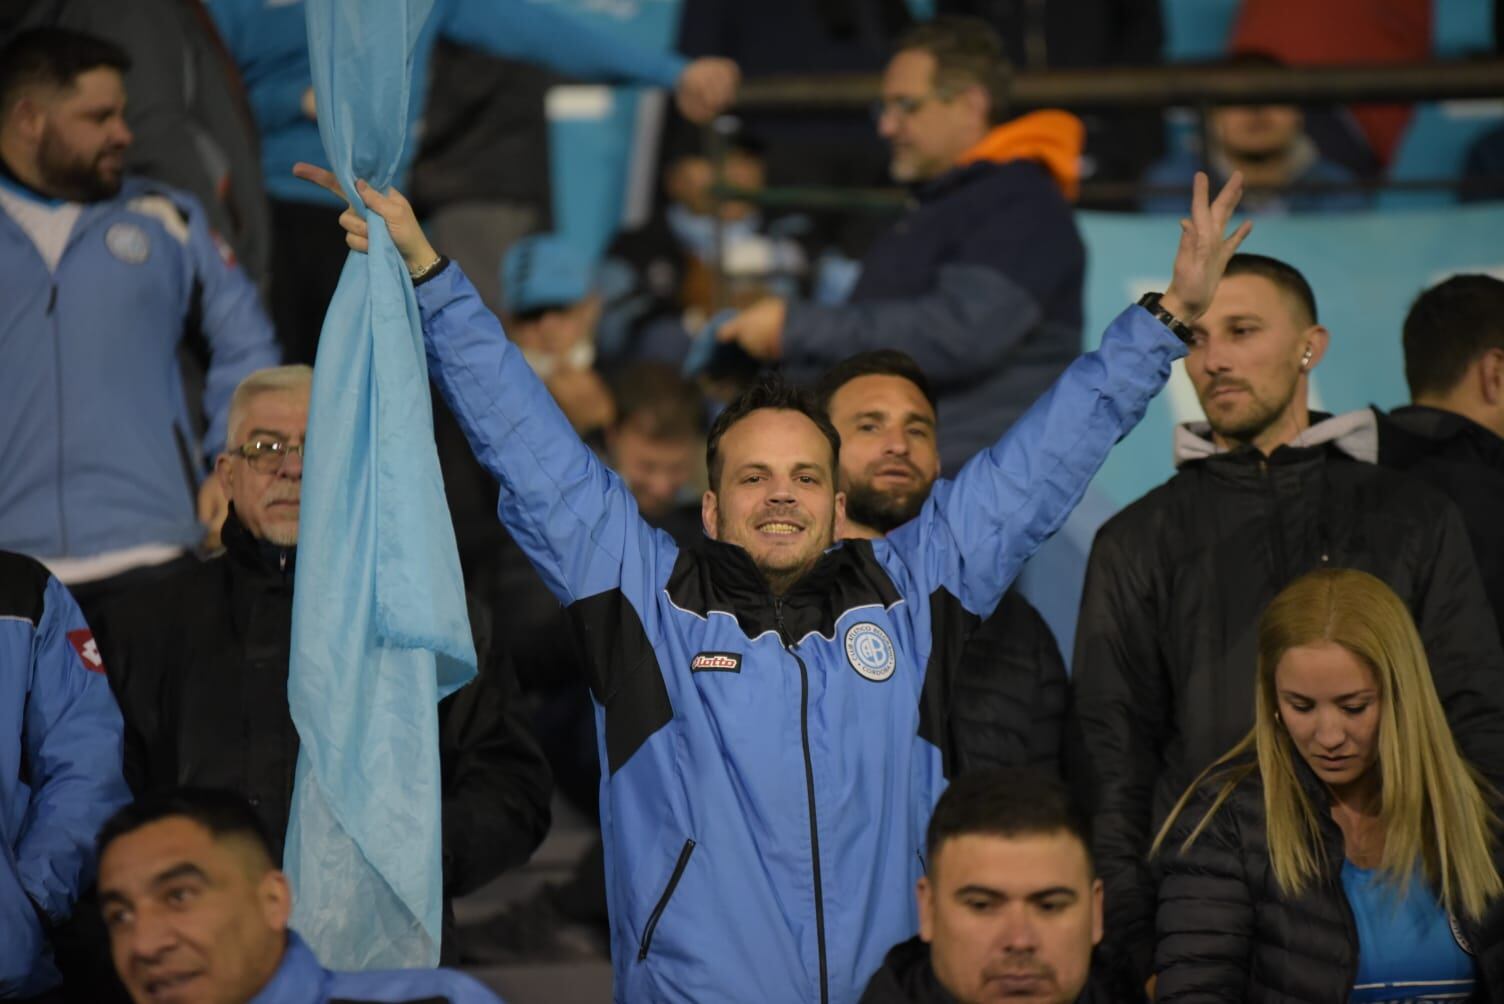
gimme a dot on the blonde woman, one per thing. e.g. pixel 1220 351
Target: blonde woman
pixel 1344 849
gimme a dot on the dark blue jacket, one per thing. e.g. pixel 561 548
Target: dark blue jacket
pixel 60 749
pixel 981 284
pixel 769 764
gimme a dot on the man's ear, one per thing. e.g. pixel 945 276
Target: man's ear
pixel 223 469
pixel 30 117
pixel 1491 376
pixel 1096 912
pixel 975 100
pixel 1317 339
pixel 924 893
pixel 840 519
pixel 274 894
pixel 710 508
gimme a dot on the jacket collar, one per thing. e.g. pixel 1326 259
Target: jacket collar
pixel 1051 138
pixel 250 553
pixel 298 980
pixel 1422 426
pixel 725 579
pixel 1354 433
pixel 907 977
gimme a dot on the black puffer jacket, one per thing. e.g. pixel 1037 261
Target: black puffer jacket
pixel 1227 932
pixel 1166 642
pixel 1465 462
pixel 198 664
pixel 1009 693
pixel 908 977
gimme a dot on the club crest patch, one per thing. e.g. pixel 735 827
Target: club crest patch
pixel 87 649
pixel 870 651
pixel 128 242
pixel 716 662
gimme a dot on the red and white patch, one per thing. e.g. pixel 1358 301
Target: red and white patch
pixel 716 662
pixel 221 245
pixel 87 648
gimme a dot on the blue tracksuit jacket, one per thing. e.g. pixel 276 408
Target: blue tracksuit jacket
pixel 269 40
pixel 767 763
pixel 60 750
pixel 98 453
pixel 300 979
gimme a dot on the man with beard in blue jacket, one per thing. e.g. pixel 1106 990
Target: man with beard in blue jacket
pixel 761 701
pixel 60 747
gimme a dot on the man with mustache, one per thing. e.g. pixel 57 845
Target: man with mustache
pixel 1265 491
pixel 103 277
pixel 768 760
pixel 1005 692
pixel 1009 903
pixel 200 665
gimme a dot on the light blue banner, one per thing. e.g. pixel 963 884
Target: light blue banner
pixel 379 628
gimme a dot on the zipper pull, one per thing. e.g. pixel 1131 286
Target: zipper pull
pixel 282 562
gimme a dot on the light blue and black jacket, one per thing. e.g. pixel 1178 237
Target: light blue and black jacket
pixel 769 764
pixel 60 751
pixel 100 453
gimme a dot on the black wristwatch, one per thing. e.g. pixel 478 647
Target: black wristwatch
pixel 1181 330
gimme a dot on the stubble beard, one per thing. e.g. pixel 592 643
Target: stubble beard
pixel 71 178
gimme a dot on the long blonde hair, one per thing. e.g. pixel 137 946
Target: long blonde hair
pixel 1435 808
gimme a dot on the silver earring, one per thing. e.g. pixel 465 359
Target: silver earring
pixel 1305 360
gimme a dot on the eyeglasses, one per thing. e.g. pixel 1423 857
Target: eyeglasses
pixel 904 105
pixel 266 456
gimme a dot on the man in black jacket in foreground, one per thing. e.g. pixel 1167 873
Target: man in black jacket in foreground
pixel 199 664
pixel 1265 492
pixel 1009 905
pixel 1006 688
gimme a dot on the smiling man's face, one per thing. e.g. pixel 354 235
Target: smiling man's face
pixel 776 494
pixel 192 918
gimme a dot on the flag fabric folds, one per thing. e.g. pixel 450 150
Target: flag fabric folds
pixel 380 632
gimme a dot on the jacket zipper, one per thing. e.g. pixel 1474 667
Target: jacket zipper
pixel 57 370
pixel 1276 529
pixel 668 892
pixel 809 786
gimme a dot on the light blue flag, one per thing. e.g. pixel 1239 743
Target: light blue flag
pixel 379 628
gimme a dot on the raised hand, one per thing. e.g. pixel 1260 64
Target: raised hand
pixel 392 207
pixel 758 329
pixel 1204 251
pixel 706 88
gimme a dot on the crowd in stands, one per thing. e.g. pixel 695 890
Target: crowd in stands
pixel 740 504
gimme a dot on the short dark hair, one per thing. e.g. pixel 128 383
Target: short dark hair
pixel 1449 326
pixel 877 362
pixel 53 57
pixel 655 400
pixel 770 392
pixel 1287 277
pixel 1006 802
pixel 220 811
pixel 967 52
